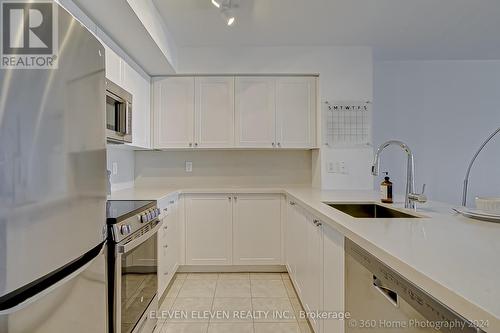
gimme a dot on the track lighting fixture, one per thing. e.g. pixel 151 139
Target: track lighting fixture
pixel 226 9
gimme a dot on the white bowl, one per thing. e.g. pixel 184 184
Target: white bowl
pixel 488 204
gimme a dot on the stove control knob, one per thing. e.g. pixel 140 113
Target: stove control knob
pixel 125 229
pixel 158 211
pixel 144 218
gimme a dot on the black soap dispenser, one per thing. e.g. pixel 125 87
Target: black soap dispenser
pixel 386 190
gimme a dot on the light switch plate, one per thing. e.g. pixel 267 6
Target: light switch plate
pixel 189 166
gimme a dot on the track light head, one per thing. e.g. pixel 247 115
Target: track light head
pixel 226 9
pixel 228 16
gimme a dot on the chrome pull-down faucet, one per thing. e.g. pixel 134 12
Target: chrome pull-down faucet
pixel 410 169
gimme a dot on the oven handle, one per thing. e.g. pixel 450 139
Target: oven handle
pixel 138 241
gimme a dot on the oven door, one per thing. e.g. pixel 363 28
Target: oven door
pixel 136 283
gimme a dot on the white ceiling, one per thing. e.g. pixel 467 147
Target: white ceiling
pixel 396 29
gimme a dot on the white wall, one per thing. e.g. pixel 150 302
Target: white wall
pixel 443 110
pixel 223 168
pixel 125 160
pixel 345 74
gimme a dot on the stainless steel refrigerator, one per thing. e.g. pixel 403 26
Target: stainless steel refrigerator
pixel 53 189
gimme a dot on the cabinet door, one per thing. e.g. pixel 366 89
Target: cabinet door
pixel 214 112
pixel 312 299
pixel 257 229
pixel 333 273
pixel 173 100
pixel 139 87
pixel 208 229
pixel 297 246
pixel 255 112
pixel 295 111
pixel 113 65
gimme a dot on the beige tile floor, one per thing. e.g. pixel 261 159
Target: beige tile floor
pixel 222 302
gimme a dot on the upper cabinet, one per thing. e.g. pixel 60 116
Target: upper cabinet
pixel 214 112
pixel 255 106
pixel 113 65
pixel 295 111
pixel 173 108
pixel 140 88
pixel 235 112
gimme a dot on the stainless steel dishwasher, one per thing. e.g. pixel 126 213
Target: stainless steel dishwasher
pixel 380 300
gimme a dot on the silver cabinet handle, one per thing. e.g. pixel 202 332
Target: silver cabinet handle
pixel 229 198
pixel 171 202
pixel 235 198
pixel 165 227
pixel 273 144
pixel 165 246
pixel 317 223
pixel 166 273
pixel 292 203
pixel 196 144
pixel 165 209
pixel 190 144
pixel 279 144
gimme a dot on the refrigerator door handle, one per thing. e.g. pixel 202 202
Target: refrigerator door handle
pixel 52 287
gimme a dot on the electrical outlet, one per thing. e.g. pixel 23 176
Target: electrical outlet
pixel 114 166
pixel 330 167
pixel 189 166
pixel 338 167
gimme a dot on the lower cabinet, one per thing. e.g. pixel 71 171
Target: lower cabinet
pixel 257 229
pixel 230 229
pixel 209 229
pixel 333 275
pixel 304 258
pixel 168 243
pixel 296 245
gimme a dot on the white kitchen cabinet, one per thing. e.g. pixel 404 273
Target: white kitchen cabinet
pixel 168 243
pixel 257 229
pixel 255 112
pixel 296 246
pixel 333 275
pixel 173 108
pixel 208 219
pixel 313 299
pixel 295 111
pixel 140 88
pixel 235 112
pixel 114 67
pixel 304 257
pixel 214 112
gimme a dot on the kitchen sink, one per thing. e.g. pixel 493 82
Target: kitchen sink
pixel 369 210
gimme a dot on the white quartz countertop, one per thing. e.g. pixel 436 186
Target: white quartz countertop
pixel 453 258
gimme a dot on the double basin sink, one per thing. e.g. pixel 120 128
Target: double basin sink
pixel 370 210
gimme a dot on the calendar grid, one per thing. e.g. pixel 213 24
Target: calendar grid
pixel 348 123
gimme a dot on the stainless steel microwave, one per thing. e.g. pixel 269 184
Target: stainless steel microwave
pixel 118 114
